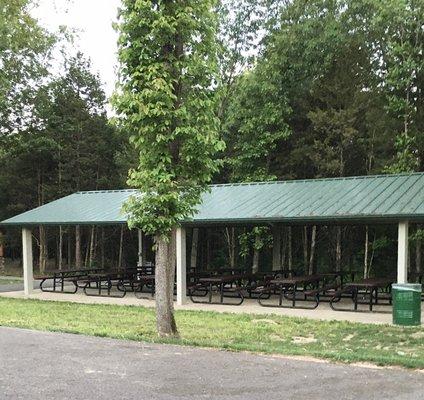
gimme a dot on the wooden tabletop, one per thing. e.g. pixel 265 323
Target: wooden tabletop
pixel 296 280
pixel 74 271
pixel 220 279
pixel 371 283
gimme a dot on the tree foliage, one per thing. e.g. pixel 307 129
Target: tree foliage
pixel 167 52
pixel 70 147
pixel 24 54
pixel 295 88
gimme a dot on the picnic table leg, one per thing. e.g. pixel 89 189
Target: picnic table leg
pixel 54 282
pixel 280 301
pixel 355 298
pixel 294 295
pixel 371 297
pixel 210 293
pixel 63 282
pixel 221 286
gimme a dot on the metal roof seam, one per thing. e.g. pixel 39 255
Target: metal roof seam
pixel 403 194
pixel 349 192
pixel 380 190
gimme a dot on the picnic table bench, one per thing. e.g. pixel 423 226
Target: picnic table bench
pixel 289 288
pixel 367 287
pixel 143 281
pixel 60 277
pixel 104 281
pixel 223 285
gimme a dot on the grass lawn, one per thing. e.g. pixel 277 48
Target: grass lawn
pixel 9 281
pixel 341 341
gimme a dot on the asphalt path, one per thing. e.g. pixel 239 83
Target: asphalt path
pixel 42 365
pixel 15 287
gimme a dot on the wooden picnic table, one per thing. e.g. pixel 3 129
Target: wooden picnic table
pixel 292 283
pixel 147 280
pixel 296 280
pixel 370 285
pixel 194 276
pixel 343 275
pixel 220 279
pixel 60 276
pixel 104 281
pixel 209 282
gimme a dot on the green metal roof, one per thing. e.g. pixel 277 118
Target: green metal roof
pixel 378 198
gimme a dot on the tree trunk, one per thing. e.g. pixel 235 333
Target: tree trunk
pixel 78 260
pixel 92 246
pixel 283 259
pixel 255 263
pixel 194 245
pixel 366 252
pixel 60 248
pixel 312 252
pixel 103 248
pixel 208 249
pixel 418 248
pixel 231 244
pixel 43 249
pixel 276 248
pixel 121 245
pixel 371 258
pixel 172 259
pixel 305 248
pixel 164 287
pixel 289 248
pixel 69 248
pixel 233 248
pixel 338 248
pixel 87 253
pixel 2 263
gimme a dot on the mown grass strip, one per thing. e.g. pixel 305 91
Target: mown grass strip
pixel 334 340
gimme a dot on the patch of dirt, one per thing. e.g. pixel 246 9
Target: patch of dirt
pixel 348 337
pixel 264 321
pixel 363 364
pixel 303 339
pixel 418 335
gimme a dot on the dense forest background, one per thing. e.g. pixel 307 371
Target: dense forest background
pixel 307 89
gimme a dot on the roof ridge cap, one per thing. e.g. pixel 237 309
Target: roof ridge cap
pixel 337 178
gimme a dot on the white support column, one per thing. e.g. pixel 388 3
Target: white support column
pixel 140 248
pixel 27 261
pixel 181 266
pixel 403 259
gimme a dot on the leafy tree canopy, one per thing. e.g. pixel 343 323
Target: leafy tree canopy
pixel 168 70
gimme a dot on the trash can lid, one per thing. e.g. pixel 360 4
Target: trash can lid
pixel 414 287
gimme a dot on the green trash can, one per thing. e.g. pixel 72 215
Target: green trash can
pixel 406 304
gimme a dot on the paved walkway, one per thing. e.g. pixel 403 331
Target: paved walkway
pixel 13 287
pixel 323 312
pixel 44 366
